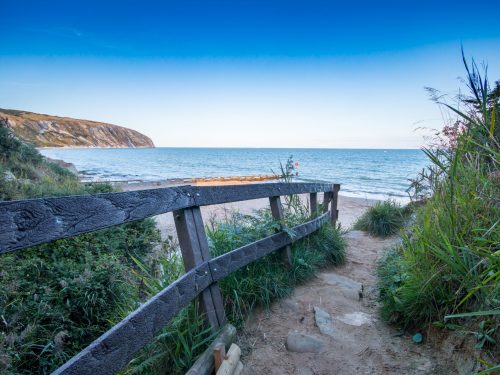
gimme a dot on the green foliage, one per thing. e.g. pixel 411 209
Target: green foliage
pixel 267 279
pixel 449 262
pixel 383 219
pixel 178 345
pixel 257 284
pixel 58 297
pixel 176 348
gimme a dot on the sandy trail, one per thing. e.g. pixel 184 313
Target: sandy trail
pixel 361 343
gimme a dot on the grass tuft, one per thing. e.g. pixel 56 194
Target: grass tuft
pixel 383 219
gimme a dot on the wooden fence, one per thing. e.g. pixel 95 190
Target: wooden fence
pixel 36 221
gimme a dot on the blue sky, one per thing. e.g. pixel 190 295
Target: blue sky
pixel 245 73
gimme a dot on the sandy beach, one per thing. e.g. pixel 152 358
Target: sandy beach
pixel 349 208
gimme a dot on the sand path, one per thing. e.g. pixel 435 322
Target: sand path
pixel 360 342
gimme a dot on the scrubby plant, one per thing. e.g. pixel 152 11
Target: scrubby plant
pixel 58 297
pixel 383 219
pixel 448 266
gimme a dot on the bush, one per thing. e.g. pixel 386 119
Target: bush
pixel 383 219
pixel 58 297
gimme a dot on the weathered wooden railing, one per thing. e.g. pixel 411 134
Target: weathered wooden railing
pixel 36 221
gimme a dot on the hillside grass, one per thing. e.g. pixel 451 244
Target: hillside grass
pixel 58 297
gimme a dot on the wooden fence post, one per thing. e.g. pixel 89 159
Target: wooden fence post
pixel 195 251
pixel 313 204
pixel 277 212
pixel 335 200
pixel 327 197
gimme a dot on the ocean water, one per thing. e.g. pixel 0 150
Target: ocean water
pixel 369 173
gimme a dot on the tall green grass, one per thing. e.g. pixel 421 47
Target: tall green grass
pixel 383 219
pixel 449 262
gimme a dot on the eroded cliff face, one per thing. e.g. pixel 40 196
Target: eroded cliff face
pixel 52 131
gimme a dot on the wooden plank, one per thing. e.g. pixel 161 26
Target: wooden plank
pixel 208 195
pixel 194 247
pixel 205 363
pixel 239 369
pixel 35 221
pixel 114 349
pixel 231 362
pixel 231 261
pixel 313 204
pixel 277 212
pixel 219 355
pixel 335 201
pixel 327 197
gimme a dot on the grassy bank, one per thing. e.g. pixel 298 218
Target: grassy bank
pixel 56 298
pixel 449 262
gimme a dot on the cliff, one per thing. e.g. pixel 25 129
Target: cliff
pixel 52 131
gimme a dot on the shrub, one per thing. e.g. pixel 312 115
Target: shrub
pixel 383 219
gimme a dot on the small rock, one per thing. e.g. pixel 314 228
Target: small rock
pixel 350 286
pixel 417 338
pixel 291 306
pixel 357 318
pixel 304 343
pixel 323 321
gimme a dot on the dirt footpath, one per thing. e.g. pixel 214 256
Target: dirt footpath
pixel 342 302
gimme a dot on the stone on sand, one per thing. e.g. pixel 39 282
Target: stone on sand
pixel 323 321
pixel 357 318
pixel 304 343
pixel 348 286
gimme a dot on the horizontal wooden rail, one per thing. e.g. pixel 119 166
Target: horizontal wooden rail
pixel 113 350
pixel 31 222
pixel 225 264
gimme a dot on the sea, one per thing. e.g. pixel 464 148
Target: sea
pixel 367 173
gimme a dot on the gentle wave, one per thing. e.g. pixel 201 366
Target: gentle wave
pixel 366 173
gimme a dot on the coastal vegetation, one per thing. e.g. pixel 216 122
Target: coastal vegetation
pixel 446 272
pixel 57 297
pixel 383 219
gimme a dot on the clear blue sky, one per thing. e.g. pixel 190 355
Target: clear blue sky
pixel 245 73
